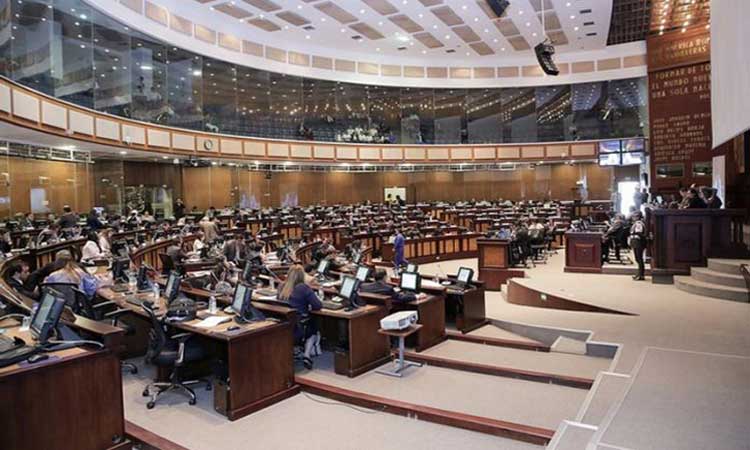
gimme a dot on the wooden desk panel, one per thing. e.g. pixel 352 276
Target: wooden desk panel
pixel 72 402
pixel 494 263
pixel 583 252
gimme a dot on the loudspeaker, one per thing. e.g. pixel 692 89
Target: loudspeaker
pixel 544 54
pixel 498 6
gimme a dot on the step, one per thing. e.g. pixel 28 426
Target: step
pixel 693 286
pixel 572 436
pixel 607 389
pixel 730 266
pixel 707 275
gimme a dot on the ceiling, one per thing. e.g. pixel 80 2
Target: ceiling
pixel 413 29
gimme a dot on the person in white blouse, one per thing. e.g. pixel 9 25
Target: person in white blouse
pixel 104 244
pixel 91 249
pixel 198 243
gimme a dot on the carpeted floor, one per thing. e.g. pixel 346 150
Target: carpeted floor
pixel 301 422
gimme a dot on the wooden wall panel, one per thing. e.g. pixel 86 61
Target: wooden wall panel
pixel 149 174
pixel 65 184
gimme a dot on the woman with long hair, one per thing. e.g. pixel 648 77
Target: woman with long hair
pixel 91 249
pixel 302 298
pixel 71 272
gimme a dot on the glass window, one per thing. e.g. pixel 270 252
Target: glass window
pixel 519 115
pixel 286 106
pixel 588 104
pixel 253 101
pixel 111 66
pixel 219 96
pixel 148 79
pixel 30 57
pixel 484 112
pixel 385 112
pixel 450 120
pixel 670 171
pixel 417 116
pixel 72 52
pixel 184 89
pixel 554 113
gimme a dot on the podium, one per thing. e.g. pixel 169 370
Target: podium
pixel 495 262
pixel 583 252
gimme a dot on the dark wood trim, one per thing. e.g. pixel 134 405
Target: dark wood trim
pixel 501 428
pixel 262 403
pixel 140 434
pixel 477 325
pixel 486 369
pixel 497 342
pixel 581 270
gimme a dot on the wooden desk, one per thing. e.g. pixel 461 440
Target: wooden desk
pixel 258 358
pixel 72 400
pixel 436 248
pixel 494 263
pixel 465 308
pixel 583 252
pixel 362 348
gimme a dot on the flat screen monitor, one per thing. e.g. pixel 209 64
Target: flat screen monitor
pixel 119 266
pixel 240 299
pixel 413 268
pixel 464 276
pixel 410 281
pixel 247 271
pixel 357 257
pixel 173 286
pixel 362 273
pixel 348 287
pixel 47 315
pixel 322 266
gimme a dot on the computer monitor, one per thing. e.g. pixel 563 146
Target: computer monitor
pixel 47 315
pixel 173 287
pixel 119 266
pixel 247 271
pixel 410 281
pixel 413 268
pixel 357 257
pixel 362 273
pixel 241 298
pixel 323 266
pixel 348 290
pixel 464 276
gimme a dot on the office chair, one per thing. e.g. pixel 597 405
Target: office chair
pixel 174 352
pixel 745 271
pixel 66 290
pixel 299 343
pixel 103 312
pixel 167 264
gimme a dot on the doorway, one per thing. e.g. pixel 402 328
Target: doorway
pixel 626 190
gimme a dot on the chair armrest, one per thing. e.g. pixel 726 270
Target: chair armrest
pixel 116 313
pixel 103 304
pixel 182 337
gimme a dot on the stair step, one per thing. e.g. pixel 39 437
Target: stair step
pixel 730 266
pixel 572 436
pixel 608 388
pixel 707 275
pixel 694 286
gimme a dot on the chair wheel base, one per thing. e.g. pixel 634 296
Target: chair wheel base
pixel 192 401
pixel 150 405
pixel 145 393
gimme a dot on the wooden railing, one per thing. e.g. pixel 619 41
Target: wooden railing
pixel 684 238
pixel 436 248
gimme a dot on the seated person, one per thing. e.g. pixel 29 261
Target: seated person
pixel 235 250
pixel 91 249
pixel 198 243
pixel 380 286
pixel 175 252
pixel 611 235
pixel 36 277
pixel 70 272
pixel 16 276
pixel 48 235
pixel 105 237
pixel 302 298
pixel 27 222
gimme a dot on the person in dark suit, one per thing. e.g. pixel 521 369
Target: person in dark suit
pixel 609 237
pixel 380 286
pixel 694 201
pixel 17 275
pixel 638 243
pixel 235 250
pixel 68 219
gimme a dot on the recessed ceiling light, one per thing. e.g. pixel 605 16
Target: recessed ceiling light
pixel 361 11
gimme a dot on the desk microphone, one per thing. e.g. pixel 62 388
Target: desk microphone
pixel 441 271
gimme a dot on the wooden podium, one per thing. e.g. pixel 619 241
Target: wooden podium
pixel 583 252
pixel 494 263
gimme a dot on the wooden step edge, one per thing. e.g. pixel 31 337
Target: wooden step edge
pixel 498 342
pixel 500 428
pixel 152 440
pixel 500 371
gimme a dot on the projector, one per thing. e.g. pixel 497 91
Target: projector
pixel 399 320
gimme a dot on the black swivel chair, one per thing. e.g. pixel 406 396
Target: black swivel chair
pixel 174 352
pixel 103 312
pixel 167 264
pixel 64 289
pixel 302 325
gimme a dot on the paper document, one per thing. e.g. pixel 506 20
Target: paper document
pixel 212 321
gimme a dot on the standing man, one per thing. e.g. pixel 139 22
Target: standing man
pixel 638 243
pixel 178 209
pixel 398 250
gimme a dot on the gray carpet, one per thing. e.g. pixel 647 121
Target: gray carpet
pixel 301 422
pixel 684 400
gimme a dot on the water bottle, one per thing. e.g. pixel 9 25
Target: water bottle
pixel 26 322
pixel 155 289
pixel 212 304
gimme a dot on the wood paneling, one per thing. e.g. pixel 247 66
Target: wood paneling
pixel 65 184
